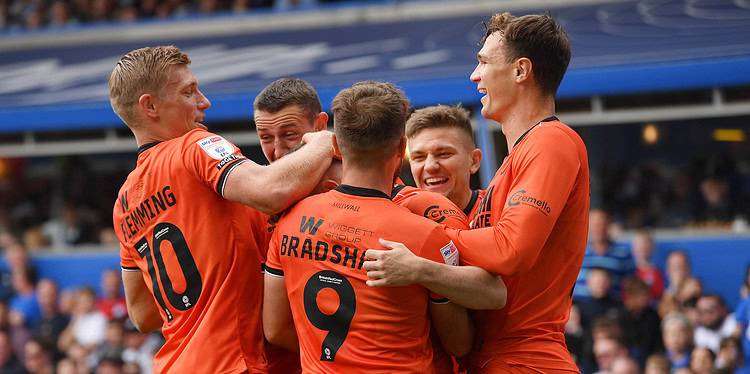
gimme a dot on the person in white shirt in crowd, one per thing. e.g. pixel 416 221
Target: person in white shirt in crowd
pixel 714 322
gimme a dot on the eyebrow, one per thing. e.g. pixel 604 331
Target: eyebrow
pixel 259 125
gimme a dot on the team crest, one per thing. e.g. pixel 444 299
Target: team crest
pixel 216 147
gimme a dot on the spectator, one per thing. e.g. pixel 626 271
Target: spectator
pixel 140 348
pixel 677 334
pixel 52 323
pixel 112 302
pixel 59 14
pixel 643 249
pixel 24 305
pixel 114 341
pixel 8 362
pixel 714 322
pixel 625 365
pixel 603 252
pixel 702 361
pixel 728 358
pixel 641 324
pixel 88 325
pixel 574 335
pixel 69 229
pixel 110 364
pixel 66 366
pixel 606 351
pixel 657 364
pixel 37 359
pixel 600 301
pixel 716 207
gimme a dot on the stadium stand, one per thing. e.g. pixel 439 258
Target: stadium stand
pixel 659 91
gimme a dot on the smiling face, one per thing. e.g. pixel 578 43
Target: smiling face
pixel 442 160
pixel 495 78
pixel 282 131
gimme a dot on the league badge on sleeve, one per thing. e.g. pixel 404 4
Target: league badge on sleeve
pixel 216 147
pixel 450 254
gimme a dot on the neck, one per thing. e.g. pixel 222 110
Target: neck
pixel 156 132
pixel 525 114
pixel 380 178
pixel 461 197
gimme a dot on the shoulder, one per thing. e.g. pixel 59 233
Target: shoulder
pixel 552 138
pixel 431 205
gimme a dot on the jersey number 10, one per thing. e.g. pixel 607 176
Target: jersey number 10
pixel 165 231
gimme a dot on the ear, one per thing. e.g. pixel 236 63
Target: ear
pixel 523 69
pixel 476 160
pixel 147 106
pixel 321 121
pixel 328 185
pixel 336 150
pixel 402 148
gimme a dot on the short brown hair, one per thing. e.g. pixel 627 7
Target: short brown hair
pixel 143 70
pixel 539 38
pixel 439 116
pixel 286 92
pixel 368 120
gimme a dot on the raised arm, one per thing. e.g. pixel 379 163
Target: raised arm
pixel 275 187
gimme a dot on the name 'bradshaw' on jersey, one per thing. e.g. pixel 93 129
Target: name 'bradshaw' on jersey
pixel 531 229
pixel 343 325
pixel 196 253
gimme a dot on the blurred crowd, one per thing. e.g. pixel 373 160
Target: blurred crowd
pixel 56 14
pixel 629 316
pixel 710 193
pixel 47 330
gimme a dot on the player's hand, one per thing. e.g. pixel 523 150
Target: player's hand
pixel 395 266
pixel 323 138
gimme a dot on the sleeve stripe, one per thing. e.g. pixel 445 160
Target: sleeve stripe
pixel 274 272
pixel 443 300
pixel 224 174
pixel 128 268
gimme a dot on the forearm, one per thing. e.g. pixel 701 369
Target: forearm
pixel 454 328
pixel 468 286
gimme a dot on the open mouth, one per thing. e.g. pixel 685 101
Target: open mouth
pixel 435 181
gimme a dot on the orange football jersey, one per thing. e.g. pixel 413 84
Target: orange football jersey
pixel 196 254
pixel 280 360
pixel 440 209
pixel 472 207
pixel 531 228
pixel 343 325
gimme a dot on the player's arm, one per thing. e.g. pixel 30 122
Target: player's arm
pixel 468 286
pixel 453 326
pixel 142 308
pixel 278 324
pixel 275 187
pixel 547 173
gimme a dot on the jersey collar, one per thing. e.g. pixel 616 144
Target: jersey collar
pixel 361 191
pixel 472 202
pixel 146 147
pixel 548 119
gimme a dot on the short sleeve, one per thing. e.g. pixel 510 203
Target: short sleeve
pixel 273 261
pixel 211 158
pixel 434 207
pixel 127 262
pixel 740 314
pixel 439 248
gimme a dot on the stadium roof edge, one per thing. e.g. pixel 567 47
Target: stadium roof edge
pixel 264 21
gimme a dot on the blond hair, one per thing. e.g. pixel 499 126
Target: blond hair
pixel 140 71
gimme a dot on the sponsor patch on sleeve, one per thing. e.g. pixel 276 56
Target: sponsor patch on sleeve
pixel 450 254
pixel 216 147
